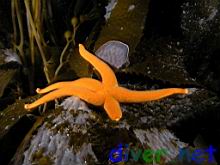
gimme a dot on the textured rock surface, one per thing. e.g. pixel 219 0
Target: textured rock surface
pixel 55 139
pixel 76 134
pixel 201 26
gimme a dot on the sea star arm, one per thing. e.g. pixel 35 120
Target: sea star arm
pixel 88 83
pixel 82 93
pixel 108 76
pixel 52 87
pixel 112 108
pixel 131 96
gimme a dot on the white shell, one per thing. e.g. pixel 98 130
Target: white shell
pixel 114 53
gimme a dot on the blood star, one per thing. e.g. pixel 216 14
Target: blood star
pixel 105 93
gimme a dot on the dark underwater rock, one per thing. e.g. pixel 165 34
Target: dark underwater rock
pixel 201 26
pixel 162 60
pixel 200 19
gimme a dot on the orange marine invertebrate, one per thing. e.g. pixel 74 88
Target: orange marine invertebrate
pixel 105 93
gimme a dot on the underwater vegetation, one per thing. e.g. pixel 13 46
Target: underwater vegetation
pixel 167 47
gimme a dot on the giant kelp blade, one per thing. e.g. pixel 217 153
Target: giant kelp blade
pixel 126 23
pixel 14 124
pixel 5 78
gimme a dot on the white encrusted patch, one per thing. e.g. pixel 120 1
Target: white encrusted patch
pixel 131 7
pixel 74 102
pixel 160 139
pixel 54 141
pixel 11 56
pixel 111 5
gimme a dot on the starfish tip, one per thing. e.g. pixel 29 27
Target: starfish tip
pixel 38 90
pixel 81 46
pixel 186 91
pixel 115 116
pixel 26 106
pixel 117 119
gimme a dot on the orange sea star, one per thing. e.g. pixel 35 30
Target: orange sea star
pixel 105 93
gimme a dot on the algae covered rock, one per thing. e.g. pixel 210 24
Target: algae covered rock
pixel 76 134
